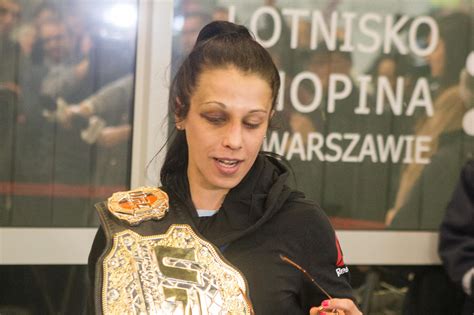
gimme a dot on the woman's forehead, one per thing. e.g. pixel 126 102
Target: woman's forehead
pixel 232 87
pixel 231 77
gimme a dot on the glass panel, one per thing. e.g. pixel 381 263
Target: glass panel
pixel 66 90
pixel 371 111
pixel 66 101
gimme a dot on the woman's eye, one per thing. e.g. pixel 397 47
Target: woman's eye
pixel 214 119
pixel 252 125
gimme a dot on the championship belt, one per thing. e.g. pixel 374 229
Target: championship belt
pixel 173 273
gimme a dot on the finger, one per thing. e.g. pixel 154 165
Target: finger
pixel 319 311
pixel 346 305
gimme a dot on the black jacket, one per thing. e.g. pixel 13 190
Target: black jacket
pixel 260 219
pixel 456 246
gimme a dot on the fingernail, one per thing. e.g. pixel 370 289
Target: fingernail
pixel 325 303
pixel 321 313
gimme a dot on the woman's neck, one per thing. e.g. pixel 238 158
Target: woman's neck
pixel 207 199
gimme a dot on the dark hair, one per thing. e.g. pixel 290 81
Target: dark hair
pixel 46 6
pixel 455 29
pixel 402 64
pixel 220 44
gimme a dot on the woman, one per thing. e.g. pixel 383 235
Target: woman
pixel 425 189
pixel 422 197
pixel 456 237
pixel 223 192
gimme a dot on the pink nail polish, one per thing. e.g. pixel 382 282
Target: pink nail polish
pixel 321 313
pixel 325 303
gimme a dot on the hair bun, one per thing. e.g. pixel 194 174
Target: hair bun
pixel 220 28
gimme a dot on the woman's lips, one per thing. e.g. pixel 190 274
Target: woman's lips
pixel 227 166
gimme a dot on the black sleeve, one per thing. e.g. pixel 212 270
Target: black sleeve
pixel 456 243
pixel 97 249
pixel 325 262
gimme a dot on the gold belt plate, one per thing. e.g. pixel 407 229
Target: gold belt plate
pixel 139 205
pixel 173 273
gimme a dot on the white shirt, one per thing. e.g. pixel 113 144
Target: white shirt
pixel 206 213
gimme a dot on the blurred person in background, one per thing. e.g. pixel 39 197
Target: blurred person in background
pixel 220 14
pixel 424 190
pixel 422 196
pixel 43 13
pixel 456 237
pixel 74 59
pixel 10 91
pixel 9 50
pixel 109 114
pixel 26 37
pixel 192 23
pixel 61 75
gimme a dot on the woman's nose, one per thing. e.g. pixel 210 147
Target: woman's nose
pixel 233 136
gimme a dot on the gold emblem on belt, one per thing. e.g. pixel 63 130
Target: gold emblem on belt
pixel 138 205
pixel 174 273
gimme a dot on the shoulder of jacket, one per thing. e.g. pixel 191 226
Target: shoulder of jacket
pixel 302 205
pixel 306 214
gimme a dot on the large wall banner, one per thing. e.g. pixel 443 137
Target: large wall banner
pixel 375 112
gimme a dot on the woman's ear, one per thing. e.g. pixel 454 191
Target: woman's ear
pixel 178 114
pixel 178 110
pixel 177 120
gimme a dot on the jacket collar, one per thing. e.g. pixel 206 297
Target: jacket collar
pixel 257 198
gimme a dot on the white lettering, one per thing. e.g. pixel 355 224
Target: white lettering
pixel 318 92
pixel 333 94
pixel 364 81
pixel 328 34
pixel 364 28
pixel 368 149
pixel 340 87
pixel 391 34
pixel 341 271
pixel 385 92
pixel 334 147
pixel 379 32
pixel 421 97
pixel 273 13
pixel 296 147
pixel 346 157
pixel 389 148
pixel 348 18
pixel 274 144
pixel 412 36
pixel 281 93
pixel 315 147
pixel 422 146
pixel 337 147
pixel 295 15
pixel 409 150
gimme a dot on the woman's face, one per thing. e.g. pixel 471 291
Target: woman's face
pixel 388 68
pixel 225 127
pixel 437 60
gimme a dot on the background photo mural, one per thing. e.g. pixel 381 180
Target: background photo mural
pixel 373 114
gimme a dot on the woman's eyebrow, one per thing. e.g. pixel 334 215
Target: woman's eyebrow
pixel 258 111
pixel 224 106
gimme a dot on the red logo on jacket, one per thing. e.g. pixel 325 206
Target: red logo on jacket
pixel 340 258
